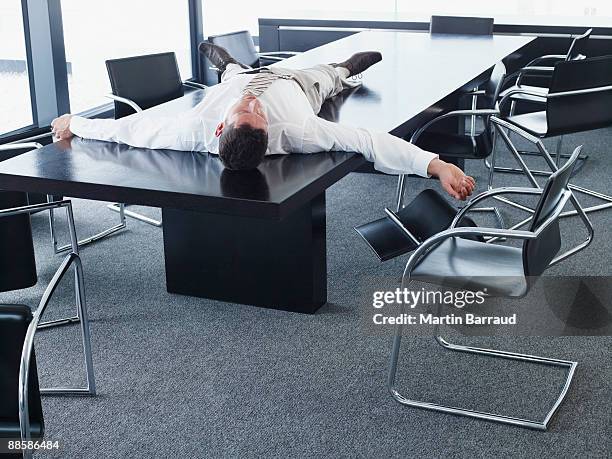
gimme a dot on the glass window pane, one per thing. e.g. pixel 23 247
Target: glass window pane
pixel 244 15
pixel 97 31
pixel 232 15
pixel 539 12
pixel 16 109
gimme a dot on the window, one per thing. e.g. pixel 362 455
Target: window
pixel 97 31
pixel 232 15
pixel 539 12
pixel 14 83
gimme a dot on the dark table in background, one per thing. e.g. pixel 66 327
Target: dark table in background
pixel 259 238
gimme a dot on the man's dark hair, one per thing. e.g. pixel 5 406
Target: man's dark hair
pixel 242 147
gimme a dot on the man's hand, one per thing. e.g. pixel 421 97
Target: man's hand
pixel 452 179
pixel 60 127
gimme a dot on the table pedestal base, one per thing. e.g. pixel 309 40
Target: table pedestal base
pixel 279 264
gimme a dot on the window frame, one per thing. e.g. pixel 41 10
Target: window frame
pixel 47 70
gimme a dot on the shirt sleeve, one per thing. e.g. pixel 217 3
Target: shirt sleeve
pixel 184 133
pixel 389 154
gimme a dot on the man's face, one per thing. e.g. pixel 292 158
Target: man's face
pixel 248 110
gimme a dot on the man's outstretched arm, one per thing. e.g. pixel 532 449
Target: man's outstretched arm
pixel 389 154
pixel 182 133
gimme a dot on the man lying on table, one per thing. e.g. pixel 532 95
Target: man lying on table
pixel 252 113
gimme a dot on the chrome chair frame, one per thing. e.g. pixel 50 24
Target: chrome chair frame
pixel 72 260
pixel 542 66
pixel 494 234
pixel 508 127
pixel 119 207
pixel 20 145
pixel 272 56
pixel 474 114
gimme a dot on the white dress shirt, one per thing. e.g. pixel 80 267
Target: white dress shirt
pixel 293 127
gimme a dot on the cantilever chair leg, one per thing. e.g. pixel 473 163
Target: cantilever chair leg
pixel 516 421
pixel 135 215
pixel 73 261
pixel 83 242
pixel 83 319
pixel 531 174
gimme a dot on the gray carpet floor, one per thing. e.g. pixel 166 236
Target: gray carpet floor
pixel 186 377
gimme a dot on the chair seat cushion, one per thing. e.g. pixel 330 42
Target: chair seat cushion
pixel 456 145
pixel 474 265
pixel 428 214
pixel 534 123
pixel 540 99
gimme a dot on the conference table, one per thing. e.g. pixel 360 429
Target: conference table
pixel 259 237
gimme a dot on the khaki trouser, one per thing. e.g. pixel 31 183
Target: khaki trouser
pixel 318 83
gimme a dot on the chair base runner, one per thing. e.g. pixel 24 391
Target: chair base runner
pixel 135 215
pixel 546 155
pixel 520 422
pixel 88 240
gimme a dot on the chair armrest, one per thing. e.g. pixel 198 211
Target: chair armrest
pixel 20 146
pixel 519 90
pixel 28 142
pixel 514 128
pixel 278 54
pixel 33 208
pixel 533 70
pixel 455 113
pixel 193 84
pixel 550 58
pixel 272 58
pixel 47 206
pixel 489 194
pixel 123 100
pixel 435 240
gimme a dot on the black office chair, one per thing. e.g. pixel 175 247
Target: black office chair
pixel 15 321
pixel 579 99
pixel 461 25
pixel 449 259
pixel 142 82
pixel 241 46
pixel 543 66
pixel 13 149
pixel 475 145
pixel 20 407
pixel 427 215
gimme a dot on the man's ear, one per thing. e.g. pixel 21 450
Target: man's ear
pixel 219 129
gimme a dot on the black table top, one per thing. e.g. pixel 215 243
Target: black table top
pixel 182 180
pixel 417 70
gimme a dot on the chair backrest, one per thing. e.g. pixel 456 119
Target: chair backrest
pixel 578 48
pixel 17 262
pixel 494 84
pixel 147 80
pixel 580 96
pixel 240 45
pixel 539 252
pixel 492 88
pixel 14 321
pixel 461 25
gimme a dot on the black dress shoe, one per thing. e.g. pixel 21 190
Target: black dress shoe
pixel 219 56
pixel 359 62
